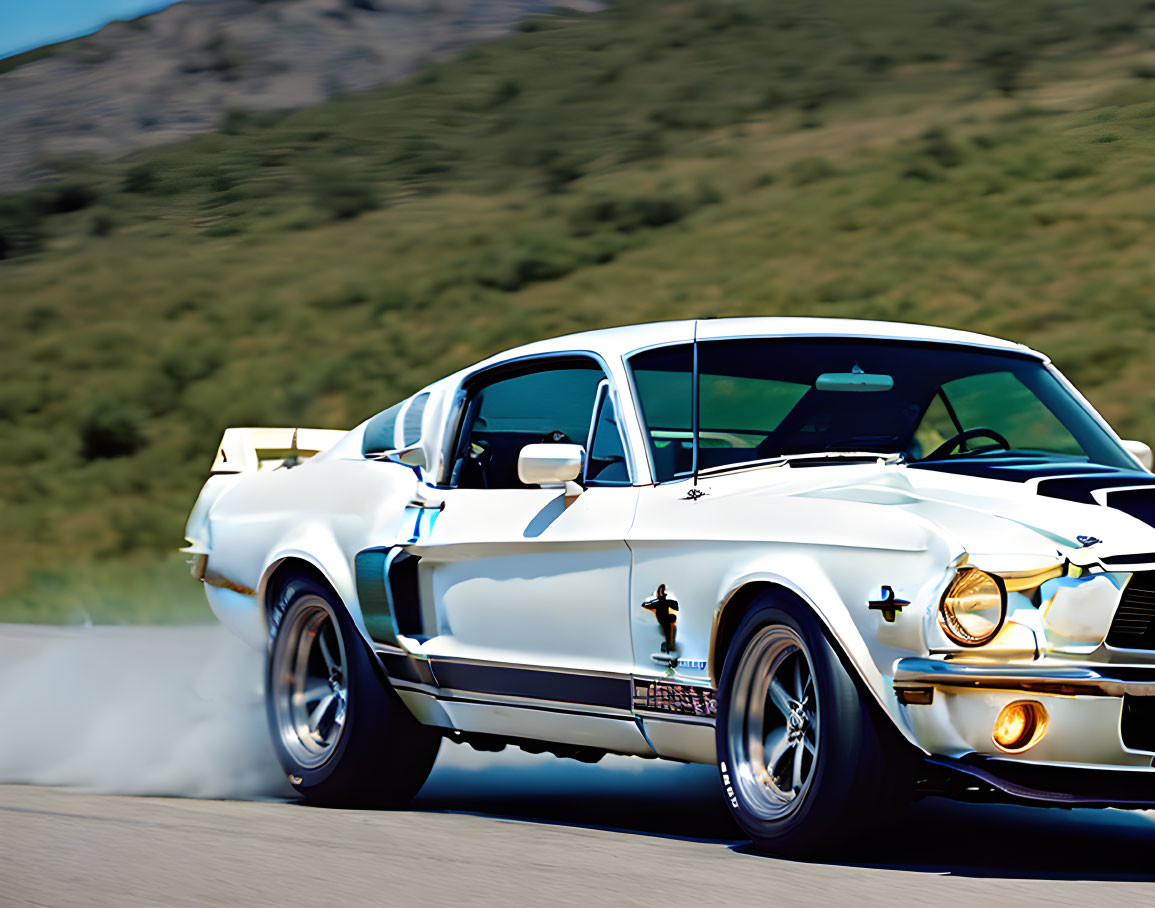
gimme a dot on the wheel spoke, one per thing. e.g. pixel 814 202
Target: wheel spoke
pixel 315 693
pixel 777 743
pixel 779 697
pixel 798 678
pixel 798 751
pixel 810 746
pixel 318 714
pixel 330 663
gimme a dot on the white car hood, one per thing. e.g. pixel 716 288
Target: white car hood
pixel 1005 521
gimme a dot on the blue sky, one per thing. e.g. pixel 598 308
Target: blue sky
pixel 25 24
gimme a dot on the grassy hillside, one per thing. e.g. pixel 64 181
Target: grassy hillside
pixel 985 165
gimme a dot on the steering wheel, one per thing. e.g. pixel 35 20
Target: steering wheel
pixel 959 440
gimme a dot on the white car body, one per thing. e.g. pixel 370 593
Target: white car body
pixel 523 614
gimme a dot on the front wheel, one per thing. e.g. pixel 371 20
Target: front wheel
pixel 341 734
pixel 801 761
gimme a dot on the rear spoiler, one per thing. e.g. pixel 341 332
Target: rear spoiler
pixel 246 450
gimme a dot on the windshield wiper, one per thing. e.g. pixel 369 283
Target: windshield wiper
pixel 887 457
pixel 807 459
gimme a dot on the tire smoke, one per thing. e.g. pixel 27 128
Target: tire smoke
pixel 135 710
pixel 179 712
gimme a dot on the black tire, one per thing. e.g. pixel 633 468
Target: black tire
pixel 366 750
pixel 851 779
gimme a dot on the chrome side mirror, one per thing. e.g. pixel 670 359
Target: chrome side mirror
pixel 1140 451
pixel 550 465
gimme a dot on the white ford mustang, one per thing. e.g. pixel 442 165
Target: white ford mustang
pixel 845 561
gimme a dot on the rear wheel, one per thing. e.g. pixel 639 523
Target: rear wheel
pixel 340 732
pixel 801 760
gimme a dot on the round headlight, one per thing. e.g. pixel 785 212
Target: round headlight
pixel 973 607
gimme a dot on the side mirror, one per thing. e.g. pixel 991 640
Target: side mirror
pixel 1140 451
pixel 550 465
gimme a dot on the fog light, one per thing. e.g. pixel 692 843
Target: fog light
pixel 1019 726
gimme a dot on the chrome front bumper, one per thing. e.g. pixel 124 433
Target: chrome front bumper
pixel 1098 717
pixel 1078 679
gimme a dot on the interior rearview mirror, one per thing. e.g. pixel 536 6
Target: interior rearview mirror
pixel 853 381
pixel 550 465
pixel 1140 451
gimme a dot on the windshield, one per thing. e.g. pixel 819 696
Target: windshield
pixel 761 398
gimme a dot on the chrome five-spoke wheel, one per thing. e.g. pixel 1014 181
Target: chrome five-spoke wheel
pixel 311 683
pixel 772 727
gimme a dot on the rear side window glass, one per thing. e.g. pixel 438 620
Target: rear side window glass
pixel 379 432
pixel 411 430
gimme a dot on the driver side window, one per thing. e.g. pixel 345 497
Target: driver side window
pixel 551 406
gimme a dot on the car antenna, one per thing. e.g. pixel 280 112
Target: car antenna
pixel 695 394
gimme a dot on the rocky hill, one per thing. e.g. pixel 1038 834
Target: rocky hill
pixel 178 72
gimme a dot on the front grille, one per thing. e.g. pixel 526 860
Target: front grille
pixel 1134 624
pixel 1137 725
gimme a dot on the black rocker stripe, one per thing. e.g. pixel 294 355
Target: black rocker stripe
pixel 403 667
pixel 534 683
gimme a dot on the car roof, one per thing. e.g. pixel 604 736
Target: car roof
pixel 621 341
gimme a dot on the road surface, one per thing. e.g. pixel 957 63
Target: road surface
pixel 111 711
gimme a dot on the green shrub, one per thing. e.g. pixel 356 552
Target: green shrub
pixel 185 363
pixel 506 91
pixel 343 193
pixel 70 195
pixel 562 170
pixel 20 397
pixel 708 194
pixel 658 209
pixel 528 258
pixel 627 214
pixel 1072 171
pixel 102 224
pixel 939 147
pixel 21 226
pixel 811 170
pixel 1006 63
pixel 142 178
pixel 111 428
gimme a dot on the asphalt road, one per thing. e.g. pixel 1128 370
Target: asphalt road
pixel 173 713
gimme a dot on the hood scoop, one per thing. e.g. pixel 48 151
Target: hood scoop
pixel 1133 493
pixel 1129 491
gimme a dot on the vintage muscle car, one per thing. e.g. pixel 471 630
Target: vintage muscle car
pixel 845 561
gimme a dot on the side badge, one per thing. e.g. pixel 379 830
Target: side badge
pixel 665 610
pixel 890 605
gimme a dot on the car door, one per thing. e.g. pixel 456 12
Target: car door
pixel 526 589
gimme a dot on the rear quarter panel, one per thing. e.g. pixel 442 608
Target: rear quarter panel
pixel 322 512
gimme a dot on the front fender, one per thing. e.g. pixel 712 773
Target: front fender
pixel 839 592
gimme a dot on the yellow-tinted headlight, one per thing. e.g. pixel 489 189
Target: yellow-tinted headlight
pixel 973 607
